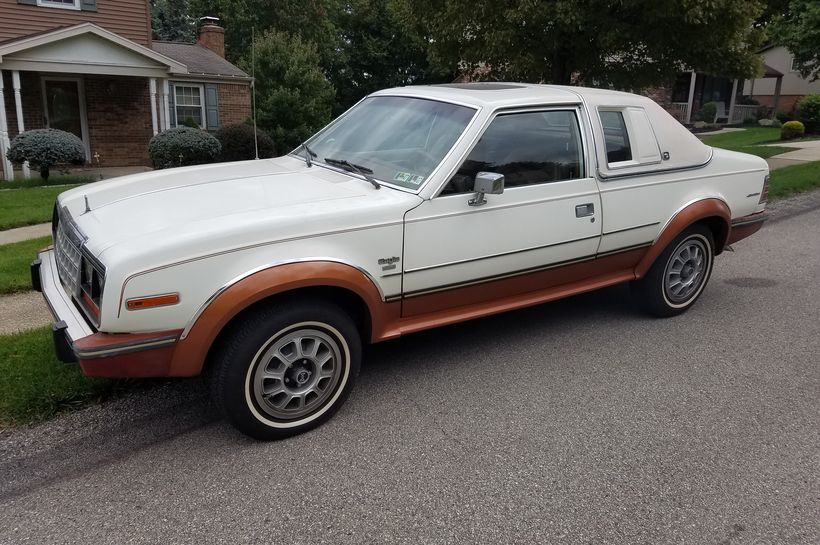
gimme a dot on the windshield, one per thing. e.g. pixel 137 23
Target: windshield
pixel 400 139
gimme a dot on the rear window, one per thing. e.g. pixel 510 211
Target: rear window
pixel 616 136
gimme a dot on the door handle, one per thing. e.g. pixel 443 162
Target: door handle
pixel 584 210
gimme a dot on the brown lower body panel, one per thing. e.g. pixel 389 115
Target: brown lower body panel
pixel 495 296
pixel 746 226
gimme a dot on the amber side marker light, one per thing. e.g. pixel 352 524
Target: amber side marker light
pixel 164 300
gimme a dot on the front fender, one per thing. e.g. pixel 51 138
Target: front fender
pixel 227 303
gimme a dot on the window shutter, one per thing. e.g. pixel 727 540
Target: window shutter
pixel 211 107
pixel 27 2
pixel 172 110
pixel 88 5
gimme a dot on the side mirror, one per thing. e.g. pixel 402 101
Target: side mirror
pixel 486 182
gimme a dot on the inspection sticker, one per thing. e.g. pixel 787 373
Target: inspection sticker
pixel 408 178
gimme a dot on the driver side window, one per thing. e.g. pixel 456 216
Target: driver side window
pixel 527 148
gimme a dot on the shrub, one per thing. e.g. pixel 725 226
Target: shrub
pixel 190 122
pixel 183 146
pixel 45 148
pixel 792 129
pixel 237 143
pixel 783 117
pixel 708 112
pixel 808 112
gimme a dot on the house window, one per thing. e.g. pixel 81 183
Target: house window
pixel 65 4
pixel 189 103
pixel 792 67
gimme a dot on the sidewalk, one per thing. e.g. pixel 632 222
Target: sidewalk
pixel 805 151
pixel 25 233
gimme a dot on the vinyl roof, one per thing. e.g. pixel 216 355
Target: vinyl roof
pixel 501 94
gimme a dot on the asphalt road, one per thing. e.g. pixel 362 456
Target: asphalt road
pixel 581 421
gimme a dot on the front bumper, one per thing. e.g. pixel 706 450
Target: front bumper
pixel 113 355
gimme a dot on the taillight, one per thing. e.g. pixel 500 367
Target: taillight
pixel 764 193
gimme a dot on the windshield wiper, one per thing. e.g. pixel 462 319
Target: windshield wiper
pixel 309 154
pixel 347 165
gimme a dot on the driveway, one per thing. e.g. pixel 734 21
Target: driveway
pixel 581 421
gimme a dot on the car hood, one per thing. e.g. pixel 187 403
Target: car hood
pixel 204 209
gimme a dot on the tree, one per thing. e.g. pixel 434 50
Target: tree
pixel 629 43
pixel 379 51
pixel 293 96
pixel 170 20
pixel 799 31
pixel 312 20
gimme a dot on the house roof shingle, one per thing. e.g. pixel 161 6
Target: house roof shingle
pixel 199 60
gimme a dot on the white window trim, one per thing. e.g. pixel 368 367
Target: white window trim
pixel 201 88
pixel 58 5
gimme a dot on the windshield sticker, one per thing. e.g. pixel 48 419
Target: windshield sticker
pixel 408 178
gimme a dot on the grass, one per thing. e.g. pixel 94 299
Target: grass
pixel 749 141
pixel 794 179
pixel 30 206
pixel 15 259
pixel 68 179
pixel 34 385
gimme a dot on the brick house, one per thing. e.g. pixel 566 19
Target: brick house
pixel 90 67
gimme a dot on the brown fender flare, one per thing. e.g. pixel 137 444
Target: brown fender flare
pixel 190 352
pixel 706 209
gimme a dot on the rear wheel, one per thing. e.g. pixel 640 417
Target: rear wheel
pixel 679 274
pixel 285 369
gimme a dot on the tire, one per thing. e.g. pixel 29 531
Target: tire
pixel 286 368
pixel 679 275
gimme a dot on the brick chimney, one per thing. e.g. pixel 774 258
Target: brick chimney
pixel 212 36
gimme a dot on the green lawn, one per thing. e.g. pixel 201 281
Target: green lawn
pixel 748 141
pixel 14 264
pixel 34 385
pixel 30 206
pixel 794 179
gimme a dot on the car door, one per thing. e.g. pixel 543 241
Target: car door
pixel 459 254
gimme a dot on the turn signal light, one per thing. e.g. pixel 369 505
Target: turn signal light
pixel 164 300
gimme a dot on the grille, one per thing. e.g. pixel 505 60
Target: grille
pixel 67 253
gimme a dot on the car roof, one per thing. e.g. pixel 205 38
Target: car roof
pixel 504 94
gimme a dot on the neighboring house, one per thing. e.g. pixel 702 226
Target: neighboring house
pixel 793 86
pixel 91 68
pixel 691 90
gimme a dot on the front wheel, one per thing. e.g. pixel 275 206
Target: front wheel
pixel 679 274
pixel 284 369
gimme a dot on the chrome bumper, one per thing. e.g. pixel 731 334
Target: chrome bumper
pixel 71 325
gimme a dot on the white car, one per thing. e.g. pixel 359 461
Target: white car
pixel 417 208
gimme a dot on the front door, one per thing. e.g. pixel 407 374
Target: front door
pixel 64 106
pixel 548 216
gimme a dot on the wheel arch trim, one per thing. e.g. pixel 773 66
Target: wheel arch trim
pixel 261 283
pixel 687 215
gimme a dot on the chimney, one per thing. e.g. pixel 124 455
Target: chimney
pixel 212 36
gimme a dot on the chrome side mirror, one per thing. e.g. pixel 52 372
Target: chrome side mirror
pixel 486 182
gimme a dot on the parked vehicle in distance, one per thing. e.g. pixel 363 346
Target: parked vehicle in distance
pixel 417 208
